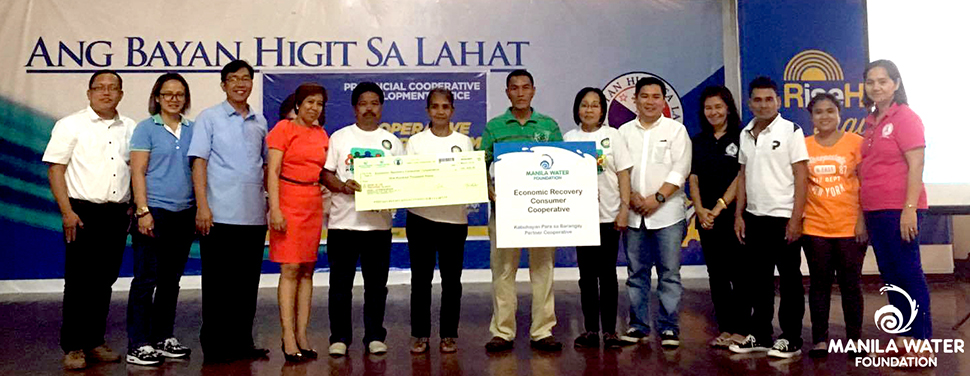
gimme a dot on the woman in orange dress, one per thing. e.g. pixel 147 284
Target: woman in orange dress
pixel 297 152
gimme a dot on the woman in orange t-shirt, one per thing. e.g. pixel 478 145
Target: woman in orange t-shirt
pixel 834 229
pixel 297 153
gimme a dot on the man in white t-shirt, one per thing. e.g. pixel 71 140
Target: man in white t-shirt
pixel 661 152
pixel 358 235
pixel 88 158
pixel 770 203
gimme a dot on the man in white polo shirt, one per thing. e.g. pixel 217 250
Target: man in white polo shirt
pixel 661 152
pixel 770 203
pixel 89 177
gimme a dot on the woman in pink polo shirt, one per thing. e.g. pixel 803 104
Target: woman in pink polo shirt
pixel 892 193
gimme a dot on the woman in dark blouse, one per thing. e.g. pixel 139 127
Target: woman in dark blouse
pixel 713 179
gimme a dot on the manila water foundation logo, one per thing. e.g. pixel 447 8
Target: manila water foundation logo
pixel 891 320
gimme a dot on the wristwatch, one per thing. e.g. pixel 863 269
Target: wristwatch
pixel 660 197
pixel 141 212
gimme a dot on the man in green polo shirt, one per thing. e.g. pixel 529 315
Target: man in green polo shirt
pixel 520 123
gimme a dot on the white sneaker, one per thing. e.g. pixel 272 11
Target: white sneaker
pixel 634 336
pixel 749 345
pixel 376 347
pixel 784 349
pixel 144 356
pixel 338 349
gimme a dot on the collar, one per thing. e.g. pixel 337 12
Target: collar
pixel 510 117
pixel 158 120
pixel 893 108
pixel 652 125
pixel 95 117
pixel 767 129
pixel 232 111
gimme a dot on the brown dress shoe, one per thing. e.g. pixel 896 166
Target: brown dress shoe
pixel 419 345
pixel 75 360
pixel 449 345
pixel 102 353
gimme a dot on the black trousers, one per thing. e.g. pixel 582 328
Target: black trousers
pixel 373 250
pixel 723 254
pixel 91 265
pixel 597 280
pixel 828 259
pixel 426 239
pixel 158 266
pixel 766 249
pixel 232 259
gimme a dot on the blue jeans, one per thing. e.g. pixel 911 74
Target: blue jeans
pixel 900 265
pixel 644 250
pixel 158 265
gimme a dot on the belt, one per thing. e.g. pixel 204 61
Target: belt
pixel 284 178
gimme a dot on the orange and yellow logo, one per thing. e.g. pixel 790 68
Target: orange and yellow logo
pixel 811 72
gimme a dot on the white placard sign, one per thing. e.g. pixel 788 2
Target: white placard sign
pixel 546 194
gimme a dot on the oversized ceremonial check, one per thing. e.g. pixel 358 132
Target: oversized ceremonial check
pixel 412 181
pixel 546 194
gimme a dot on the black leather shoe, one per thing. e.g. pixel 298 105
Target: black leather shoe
pixel 498 344
pixel 547 344
pixel 309 353
pixel 295 358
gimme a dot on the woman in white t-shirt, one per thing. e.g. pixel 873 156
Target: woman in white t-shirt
pixel 437 230
pixel 597 264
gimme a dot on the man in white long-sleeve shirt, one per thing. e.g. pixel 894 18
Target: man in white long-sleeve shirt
pixel 660 149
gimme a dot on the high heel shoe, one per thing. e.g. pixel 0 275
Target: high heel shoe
pixel 293 358
pixel 309 353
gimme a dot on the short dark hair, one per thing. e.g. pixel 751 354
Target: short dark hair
pixel 762 82
pixel 645 81
pixel 287 106
pixel 153 106
pixel 893 72
pixel 441 91
pixel 364 87
pixel 821 97
pixel 306 90
pixel 235 66
pixel 104 71
pixel 733 117
pixel 579 100
pixel 519 73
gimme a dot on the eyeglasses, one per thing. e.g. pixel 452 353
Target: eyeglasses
pixel 111 88
pixel 235 79
pixel 172 96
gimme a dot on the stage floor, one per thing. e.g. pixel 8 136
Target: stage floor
pixel 30 324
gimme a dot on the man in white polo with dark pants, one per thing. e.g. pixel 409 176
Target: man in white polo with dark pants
pixel 770 203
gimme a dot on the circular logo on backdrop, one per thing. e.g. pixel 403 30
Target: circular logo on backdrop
pixel 621 99
pixel 386 144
